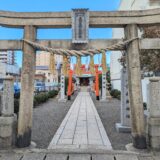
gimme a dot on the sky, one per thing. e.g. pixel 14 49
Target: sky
pixel 52 6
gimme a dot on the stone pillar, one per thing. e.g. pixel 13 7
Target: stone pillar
pixel 62 91
pixel 125 124
pixel 8 121
pixel 135 91
pixel 104 87
pixel 27 89
pixel 97 84
pixel 154 113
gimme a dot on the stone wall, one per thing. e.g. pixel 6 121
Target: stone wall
pixel 153 129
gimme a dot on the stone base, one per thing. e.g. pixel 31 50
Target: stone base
pixel 121 128
pixel 131 148
pixel 8 127
pixel 154 133
pixel 154 143
pixel 62 100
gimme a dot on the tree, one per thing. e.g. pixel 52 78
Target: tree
pixel 150 59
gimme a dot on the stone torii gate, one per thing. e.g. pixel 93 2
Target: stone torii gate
pixel 129 20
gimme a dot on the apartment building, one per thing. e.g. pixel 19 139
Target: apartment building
pixel 43 66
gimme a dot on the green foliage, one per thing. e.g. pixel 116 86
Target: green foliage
pixel 44 96
pixel 150 59
pixel 40 98
pixel 52 93
pixel 116 94
pixel 100 81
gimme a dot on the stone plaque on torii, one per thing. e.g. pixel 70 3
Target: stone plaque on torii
pixel 80 25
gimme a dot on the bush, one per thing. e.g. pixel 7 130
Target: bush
pixel 40 98
pixel 116 94
pixel 100 81
pixel 35 102
pixel 52 93
pixel 44 96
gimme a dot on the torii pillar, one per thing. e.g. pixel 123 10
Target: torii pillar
pixel 135 91
pixel 27 89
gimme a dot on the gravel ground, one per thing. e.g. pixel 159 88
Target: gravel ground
pixel 109 113
pixel 47 119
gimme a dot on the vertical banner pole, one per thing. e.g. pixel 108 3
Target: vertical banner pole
pixel 69 84
pixel 97 83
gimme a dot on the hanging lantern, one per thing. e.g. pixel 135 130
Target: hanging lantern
pixel 52 63
pixel 104 66
pixel 92 65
